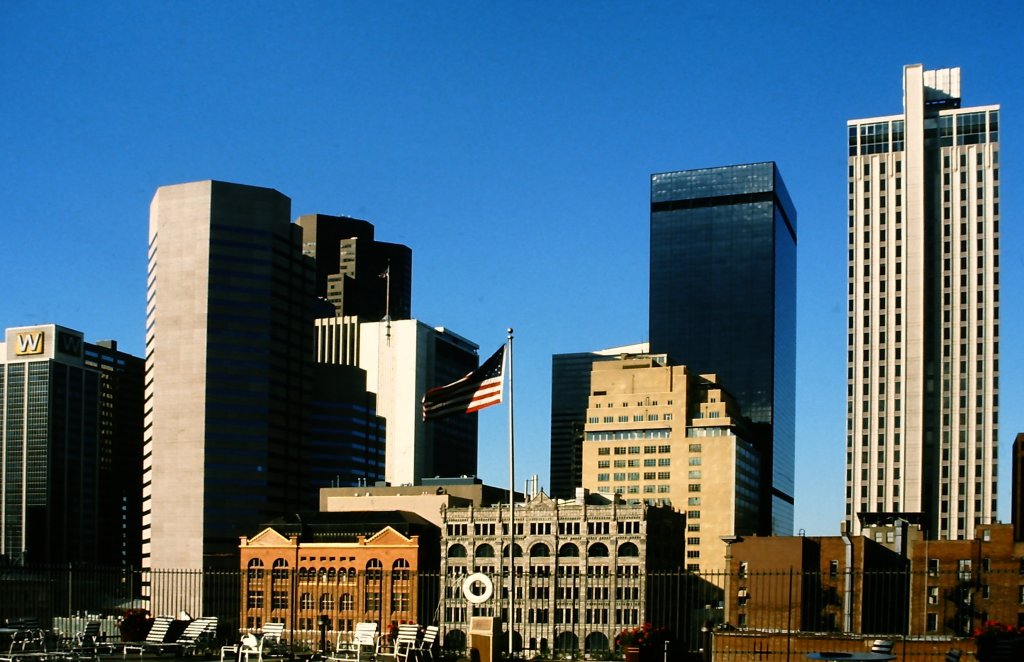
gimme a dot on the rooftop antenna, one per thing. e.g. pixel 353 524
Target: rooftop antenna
pixel 387 301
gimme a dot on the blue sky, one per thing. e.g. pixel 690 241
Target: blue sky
pixel 510 145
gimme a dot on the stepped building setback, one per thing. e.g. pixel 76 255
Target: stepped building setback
pixel 656 434
pixel 357 274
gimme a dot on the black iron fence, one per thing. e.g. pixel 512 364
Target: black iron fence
pixel 554 613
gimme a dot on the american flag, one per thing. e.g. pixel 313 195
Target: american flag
pixel 476 390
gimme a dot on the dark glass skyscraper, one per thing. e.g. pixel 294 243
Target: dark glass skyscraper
pixel 121 388
pixel 570 392
pixel 71 449
pixel 49 439
pixel 723 301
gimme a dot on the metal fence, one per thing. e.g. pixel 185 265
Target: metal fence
pixel 567 614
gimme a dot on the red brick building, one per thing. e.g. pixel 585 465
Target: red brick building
pixel 817 584
pixel 959 584
pixel 890 581
pixel 342 568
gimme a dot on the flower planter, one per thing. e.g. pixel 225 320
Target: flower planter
pixel 134 625
pixel 1000 649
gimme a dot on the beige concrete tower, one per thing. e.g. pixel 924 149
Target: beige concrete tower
pixel 229 348
pixel 923 327
pixel 657 435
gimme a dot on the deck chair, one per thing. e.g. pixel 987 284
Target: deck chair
pixel 405 641
pixel 27 644
pixel 89 635
pixel 85 642
pixel 155 637
pixel 197 635
pixel 362 645
pixel 273 633
pixel 426 644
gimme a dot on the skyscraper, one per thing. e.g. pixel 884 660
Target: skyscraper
pixel 70 448
pixel 122 390
pixel 923 325
pixel 50 430
pixel 570 392
pixel 229 350
pixel 723 301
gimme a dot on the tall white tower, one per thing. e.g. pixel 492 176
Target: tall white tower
pixel 923 327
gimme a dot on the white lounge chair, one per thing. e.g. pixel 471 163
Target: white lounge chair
pixel 405 641
pixel 155 637
pixel 361 646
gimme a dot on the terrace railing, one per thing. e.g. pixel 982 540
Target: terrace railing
pixel 568 613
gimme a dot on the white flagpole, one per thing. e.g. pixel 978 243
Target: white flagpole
pixel 511 503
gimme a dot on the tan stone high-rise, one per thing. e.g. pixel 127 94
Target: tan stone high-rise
pixel 229 350
pixel 923 327
pixel 659 435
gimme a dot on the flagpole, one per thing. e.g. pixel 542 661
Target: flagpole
pixel 511 503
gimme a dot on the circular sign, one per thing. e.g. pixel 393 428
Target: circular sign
pixel 470 583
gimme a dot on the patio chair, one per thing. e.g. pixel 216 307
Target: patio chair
pixel 199 637
pixel 89 635
pixel 84 643
pixel 426 644
pixel 272 636
pixel 155 637
pixel 249 644
pixel 405 641
pixel 29 644
pixel 362 645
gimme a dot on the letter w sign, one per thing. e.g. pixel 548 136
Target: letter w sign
pixel 29 343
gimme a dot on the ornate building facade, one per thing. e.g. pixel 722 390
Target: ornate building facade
pixel 581 568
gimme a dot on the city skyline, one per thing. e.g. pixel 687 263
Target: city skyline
pixel 511 149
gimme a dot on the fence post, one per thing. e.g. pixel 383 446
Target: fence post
pixel 70 602
pixel 789 615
